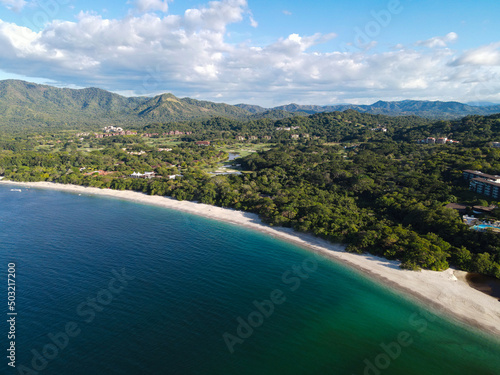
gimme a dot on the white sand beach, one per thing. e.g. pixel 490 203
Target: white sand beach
pixel 446 292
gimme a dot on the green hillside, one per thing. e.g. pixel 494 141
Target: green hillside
pixel 29 106
pixel 25 105
pixel 422 108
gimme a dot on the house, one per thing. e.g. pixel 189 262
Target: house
pixel 110 129
pixel 470 174
pixel 295 136
pixel 483 183
pixel 485 187
pixel 440 141
pixel 203 143
pixel 147 175
pixel 461 208
pixel 496 144
pixel 483 210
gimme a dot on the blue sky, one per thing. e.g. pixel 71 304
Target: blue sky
pixel 259 52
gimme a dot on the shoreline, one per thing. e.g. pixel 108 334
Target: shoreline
pixel 446 292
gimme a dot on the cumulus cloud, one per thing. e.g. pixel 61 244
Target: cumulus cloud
pixel 109 52
pixel 151 5
pixel 216 16
pixel 483 56
pixel 438 41
pixel 190 55
pixel 15 5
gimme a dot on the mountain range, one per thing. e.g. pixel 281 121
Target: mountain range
pixel 422 108
pixel 27 105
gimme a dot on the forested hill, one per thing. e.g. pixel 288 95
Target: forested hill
pixel 25 105
pixel 470 130
pixel 347 126
pixel 29 106
pixel 422 108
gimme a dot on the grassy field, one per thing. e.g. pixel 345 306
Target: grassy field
pixel 245 149
pixel 165 142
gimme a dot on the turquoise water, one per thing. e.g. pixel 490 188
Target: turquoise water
pixel 188 284
pixel 483 226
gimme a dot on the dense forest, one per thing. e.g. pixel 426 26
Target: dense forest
pixel 348 177
pixel 26 106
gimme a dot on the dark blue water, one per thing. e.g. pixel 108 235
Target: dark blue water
pixel 195 296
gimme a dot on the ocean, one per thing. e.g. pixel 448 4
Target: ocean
pixel 105 286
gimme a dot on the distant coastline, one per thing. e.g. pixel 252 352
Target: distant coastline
pixel 446 292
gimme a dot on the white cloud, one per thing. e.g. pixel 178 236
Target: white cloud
pixel 287 13
pixel 483 56
pixel 438 41
pixel 216 16
pixel 151 5
pixel 253 23
pixel 15 5
pixel 190 55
